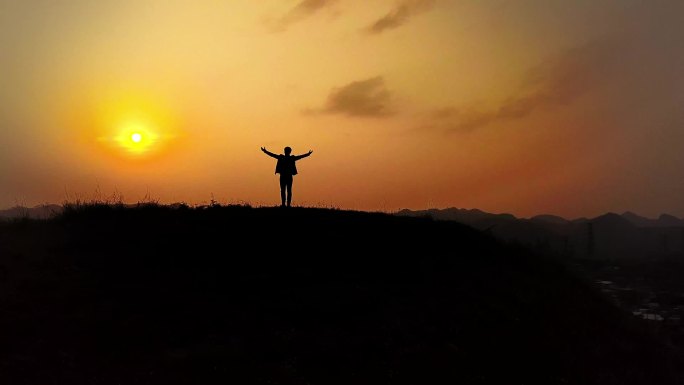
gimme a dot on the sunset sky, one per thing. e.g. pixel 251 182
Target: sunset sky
pixel 564 107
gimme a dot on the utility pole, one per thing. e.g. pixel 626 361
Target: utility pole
pixel 590 239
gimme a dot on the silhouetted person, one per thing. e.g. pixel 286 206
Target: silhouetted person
pixel 287 169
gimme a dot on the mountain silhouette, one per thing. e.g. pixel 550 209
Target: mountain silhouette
pixel 664 220
pixel 552 219
pixel 215 295
pixel 614 222
pixel 38 212
pixel 667 220
pixel 638 220
pixel 612 236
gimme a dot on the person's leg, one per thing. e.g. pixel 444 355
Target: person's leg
pixel 289 191
pixel 283 185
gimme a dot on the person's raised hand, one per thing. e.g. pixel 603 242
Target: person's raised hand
pixel 310 152
pixel 263 149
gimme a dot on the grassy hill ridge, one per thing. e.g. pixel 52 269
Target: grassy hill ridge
pixel 154 294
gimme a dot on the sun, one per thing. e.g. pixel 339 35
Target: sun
pixel 137 138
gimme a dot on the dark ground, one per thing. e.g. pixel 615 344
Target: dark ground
pixel 219 295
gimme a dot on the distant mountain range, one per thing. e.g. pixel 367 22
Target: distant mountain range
pixel 37 212
pixel 611 235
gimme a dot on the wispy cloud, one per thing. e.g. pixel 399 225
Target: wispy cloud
pixel 299 12
pixel 555 83
pixel 403 11
pixel 363 98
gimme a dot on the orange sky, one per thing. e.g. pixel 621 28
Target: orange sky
pixel 534 106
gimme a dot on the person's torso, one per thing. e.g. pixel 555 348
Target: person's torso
pixel 286 165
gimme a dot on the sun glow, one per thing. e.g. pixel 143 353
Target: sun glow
pixel 135 125
pixel 137 138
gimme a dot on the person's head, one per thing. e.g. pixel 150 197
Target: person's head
pixel 288 150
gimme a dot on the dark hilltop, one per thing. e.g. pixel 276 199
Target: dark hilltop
pixel 107 294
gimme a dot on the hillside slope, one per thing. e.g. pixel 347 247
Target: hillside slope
pixel 159 295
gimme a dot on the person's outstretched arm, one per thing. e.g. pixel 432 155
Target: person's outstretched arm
pixel 297 157
pixel 269 153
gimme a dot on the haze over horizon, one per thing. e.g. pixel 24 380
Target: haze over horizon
pixel 532 107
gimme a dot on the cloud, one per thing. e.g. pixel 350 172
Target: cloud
pixel 552 84
pixel 402 12
pixel 363 98
pixel 302 10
